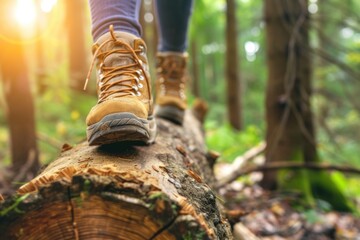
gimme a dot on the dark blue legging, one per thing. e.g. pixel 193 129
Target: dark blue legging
pixel 173 20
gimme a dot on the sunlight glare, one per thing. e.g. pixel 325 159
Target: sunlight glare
pixel 313 8
pixel 47 5
pixel 251 48
pixel 25 12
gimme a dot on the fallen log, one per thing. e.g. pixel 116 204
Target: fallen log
pixel 161 191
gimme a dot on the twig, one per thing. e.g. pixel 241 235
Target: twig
pixel 239 162
pixel 243 233
pixel 326 56
pixel 21 175
pixel 298 165
pixel 51 141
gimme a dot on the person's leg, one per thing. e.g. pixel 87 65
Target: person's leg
pixel 122 14
pixel 124 108
pixel 173 20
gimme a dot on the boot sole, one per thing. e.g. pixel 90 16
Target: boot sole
pixel 170 113
pixel 122 127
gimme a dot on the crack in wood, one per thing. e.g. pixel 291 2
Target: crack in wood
pixel 73 222
pixel 164 228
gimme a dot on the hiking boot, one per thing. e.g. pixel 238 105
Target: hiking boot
pixel 125 106
pixel 170 86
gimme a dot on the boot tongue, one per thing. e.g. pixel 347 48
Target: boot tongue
pixel 118 59
pixel 174 63
pixel 177 68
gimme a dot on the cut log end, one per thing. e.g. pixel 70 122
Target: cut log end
pixel 101 208
pixel 93 207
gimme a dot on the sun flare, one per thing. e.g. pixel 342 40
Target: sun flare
pixel 47 5
pixel 25 12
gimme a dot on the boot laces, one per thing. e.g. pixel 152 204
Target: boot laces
pixel 129 73
pixel 172 76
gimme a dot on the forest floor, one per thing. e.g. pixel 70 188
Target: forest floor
pixel 282 216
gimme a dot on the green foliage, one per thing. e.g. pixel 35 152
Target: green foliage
pixel 331 188
pixel 231 143
pixel 157 195
pixel 311 216
pixel 61 116
pixel 296 180
pixel 194 235
pixel 16 203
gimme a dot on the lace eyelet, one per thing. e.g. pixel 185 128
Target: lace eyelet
pixel 142 50
pixel 140 85
pixel 135 88
pixel 182 94
pixel 138 94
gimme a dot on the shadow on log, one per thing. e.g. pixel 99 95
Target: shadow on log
pixel 161 191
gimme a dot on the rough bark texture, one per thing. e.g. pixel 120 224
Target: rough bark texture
pixel 19 101
pixel 232 67
pixel 290 131
pixel 161 191
pixel 75 22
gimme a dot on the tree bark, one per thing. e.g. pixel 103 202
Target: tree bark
pixel 290 130
pixel 232 66
pixel 75 22
pixel 161 191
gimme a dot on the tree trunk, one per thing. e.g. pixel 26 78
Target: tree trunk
pixel 41 74
pixel 232 66
pixel 290 132
pixel 20 108
pixel 161 191
pixel 75 22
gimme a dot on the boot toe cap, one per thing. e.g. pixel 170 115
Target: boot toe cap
pixel 116 105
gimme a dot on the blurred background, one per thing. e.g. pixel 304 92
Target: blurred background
pixel 43 106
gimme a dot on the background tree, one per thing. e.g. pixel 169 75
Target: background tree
pixel 232 65
pixel 19 101
pixel 41 72
pixel 290 132
pixel 75 21
pixel 288 89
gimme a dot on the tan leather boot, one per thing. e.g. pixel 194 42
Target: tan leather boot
pixel 125 106
pixel 170 86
